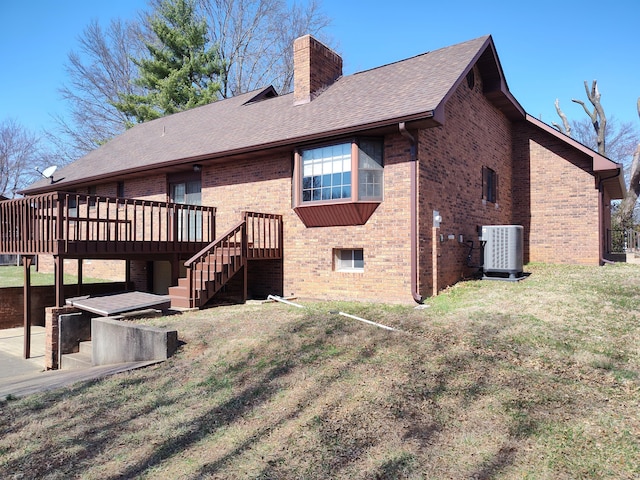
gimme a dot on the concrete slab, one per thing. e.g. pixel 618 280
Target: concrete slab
pixel 12 362
pixel 113 304
pixel 20 377
pixel 23 385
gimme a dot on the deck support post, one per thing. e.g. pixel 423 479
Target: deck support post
pixel 58 273
pixel 27 260
pixel 175 269
pixel 80 262
pixel 245 278
pixel 127 274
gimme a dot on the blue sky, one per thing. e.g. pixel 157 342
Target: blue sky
pixel 547 48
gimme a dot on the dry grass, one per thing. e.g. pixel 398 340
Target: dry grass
pixel 539 380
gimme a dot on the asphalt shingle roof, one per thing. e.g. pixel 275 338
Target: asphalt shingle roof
pixel 405 89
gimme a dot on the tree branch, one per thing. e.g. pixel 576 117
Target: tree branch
pixel 565 122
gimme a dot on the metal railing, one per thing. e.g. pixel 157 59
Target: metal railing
pixel 623 241
pixel 74 223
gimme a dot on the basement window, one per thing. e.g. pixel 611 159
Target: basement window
pixel 348 260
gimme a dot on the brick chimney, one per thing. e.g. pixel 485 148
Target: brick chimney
pixel 315 66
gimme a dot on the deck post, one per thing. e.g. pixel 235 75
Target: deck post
pixel 27 260
pixel 127 274
pixel 175 269
pixel 80 262
pixel 245 278
pixel 58 273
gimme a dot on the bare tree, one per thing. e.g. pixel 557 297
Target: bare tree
pixel 616 143
pixel 628 205
pixel 255 38
pixel 98 74
pixel 566 126
pixel 621 138
pixel 19 156
pixel 597 116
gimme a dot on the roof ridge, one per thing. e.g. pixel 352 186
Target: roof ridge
pixel 428 52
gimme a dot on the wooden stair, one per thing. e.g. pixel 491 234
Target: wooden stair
pixel 257 236
pixel 210 269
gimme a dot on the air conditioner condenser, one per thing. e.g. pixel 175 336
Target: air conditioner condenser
pixel 503 247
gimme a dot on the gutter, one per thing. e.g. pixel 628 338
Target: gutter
pixel 414 213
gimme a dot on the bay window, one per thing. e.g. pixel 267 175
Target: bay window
pixel 340 183
pixel 349 171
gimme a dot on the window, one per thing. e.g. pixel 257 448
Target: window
pixel 329 173
pixel 370 170
pixel 92 190
pixel 120 190
pixel 489 185
pixel 326 173
pixel 351 260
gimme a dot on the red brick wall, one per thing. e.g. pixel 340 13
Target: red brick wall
pixel 451 157
pixel 264 185
pixel 52 335
pixel 315 67
pixel 558 199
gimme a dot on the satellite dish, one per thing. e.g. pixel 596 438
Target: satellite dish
pixel 48 172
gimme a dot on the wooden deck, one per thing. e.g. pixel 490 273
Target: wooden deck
pixel 75 225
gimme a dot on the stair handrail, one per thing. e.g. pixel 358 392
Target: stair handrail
pixel 202 253
pixel 211 250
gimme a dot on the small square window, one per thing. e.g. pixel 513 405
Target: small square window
pixel 349 260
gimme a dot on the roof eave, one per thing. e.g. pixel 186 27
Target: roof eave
pixel 430 118
pixel 496 91
pixel 608 171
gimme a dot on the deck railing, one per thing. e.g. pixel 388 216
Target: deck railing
pixel 74 223
pixel 264 235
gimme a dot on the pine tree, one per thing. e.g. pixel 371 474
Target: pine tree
pixel 181 72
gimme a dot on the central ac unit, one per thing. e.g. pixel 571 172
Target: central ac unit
pixel 503 251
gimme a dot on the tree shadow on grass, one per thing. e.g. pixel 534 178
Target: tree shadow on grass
pixel 417 408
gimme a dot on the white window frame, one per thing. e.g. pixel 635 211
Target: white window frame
pixel 354 264
pixel 324 162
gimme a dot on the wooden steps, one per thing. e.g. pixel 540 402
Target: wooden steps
pixel 257 236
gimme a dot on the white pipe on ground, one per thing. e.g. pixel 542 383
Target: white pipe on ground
pixel 280 299
pixel 366 321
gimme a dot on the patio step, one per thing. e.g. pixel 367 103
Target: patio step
pixel 82 359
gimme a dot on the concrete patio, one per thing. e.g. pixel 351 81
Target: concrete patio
pixel 20 377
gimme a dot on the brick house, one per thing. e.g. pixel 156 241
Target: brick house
pixel 348 174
